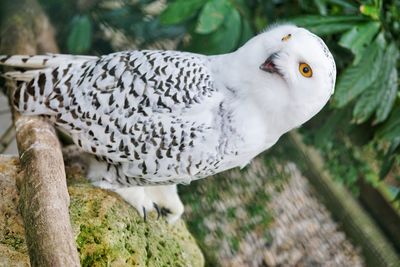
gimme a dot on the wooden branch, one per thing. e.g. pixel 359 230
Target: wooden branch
pixel 44 198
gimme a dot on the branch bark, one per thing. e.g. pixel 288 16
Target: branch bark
pixel 44 199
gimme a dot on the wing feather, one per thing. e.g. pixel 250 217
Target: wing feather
pixel 149 111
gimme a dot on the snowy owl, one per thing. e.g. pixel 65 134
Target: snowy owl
pixel 154 119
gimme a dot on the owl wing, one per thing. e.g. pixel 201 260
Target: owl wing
pixel 145 110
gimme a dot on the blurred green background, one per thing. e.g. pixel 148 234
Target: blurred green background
pixel 358 133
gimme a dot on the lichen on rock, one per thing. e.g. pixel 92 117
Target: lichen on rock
pixel 13 249
pixel 108 231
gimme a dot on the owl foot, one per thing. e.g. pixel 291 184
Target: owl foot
pixel 162 199
pixel 166 201
pixel 164 212
pixel 137 197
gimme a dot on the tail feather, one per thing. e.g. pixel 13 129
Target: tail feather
pixel 31 95
pixel 36 76
pixel 23 76
pixel 41 61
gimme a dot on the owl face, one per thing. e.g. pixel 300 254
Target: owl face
pixel 300 58
pixel 287 70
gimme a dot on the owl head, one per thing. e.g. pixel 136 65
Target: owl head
pixel 288 71
pixel 298 55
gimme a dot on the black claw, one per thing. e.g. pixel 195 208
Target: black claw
pixel 144 214
pixel 165 212
pixel 157 209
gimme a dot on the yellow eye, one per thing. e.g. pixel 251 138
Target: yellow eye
pixel 305 70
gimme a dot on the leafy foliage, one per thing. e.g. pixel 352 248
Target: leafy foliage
pixel 216 26
pixel 356 78
pixel 181 10
pixel 369 85
pixel 81 24
pixel 324 25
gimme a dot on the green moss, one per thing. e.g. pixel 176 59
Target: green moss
pixel 109 232
pixel 13 240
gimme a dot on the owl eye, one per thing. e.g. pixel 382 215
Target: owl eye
pixel 305 70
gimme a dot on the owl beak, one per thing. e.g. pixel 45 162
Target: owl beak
pixel 269 65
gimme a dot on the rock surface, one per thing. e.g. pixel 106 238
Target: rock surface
pixel 13 249
pixel 108 231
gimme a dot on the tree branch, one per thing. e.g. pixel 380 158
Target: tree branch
pixel 44 198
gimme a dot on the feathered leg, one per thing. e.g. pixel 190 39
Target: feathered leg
pixel 167 200
pixel 163 199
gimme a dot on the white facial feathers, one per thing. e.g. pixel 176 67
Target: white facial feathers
pixel 287 71
pixel 298 45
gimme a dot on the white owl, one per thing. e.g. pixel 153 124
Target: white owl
pixel 157 118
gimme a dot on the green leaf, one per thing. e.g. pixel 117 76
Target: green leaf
pixel 80 37
pixel 388 83
pixel 356 78
pixel 316 19
pixel 247 32
pixel 349 5
pixel 321 5
pixel 366 104
pixel 391 128
pixel 223 40
pixel 358 38
pixel 380 96
pixel 388 97
pixel 389 158
pixel 370 11
pixel 180 10
pixel 244 8
pixel 325 25
pixel 212 15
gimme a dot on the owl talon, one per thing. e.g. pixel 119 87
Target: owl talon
pixel 163 199
pixel 168 203
pixel 165 212
pixel 158 210
pixel 144 214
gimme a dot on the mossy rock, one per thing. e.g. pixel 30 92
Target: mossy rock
pixel 109 232
pixel 13 250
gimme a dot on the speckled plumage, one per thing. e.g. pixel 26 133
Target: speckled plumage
pixel 141 112
pixel 168 117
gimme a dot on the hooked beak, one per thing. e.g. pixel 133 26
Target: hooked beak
pixel 269 65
